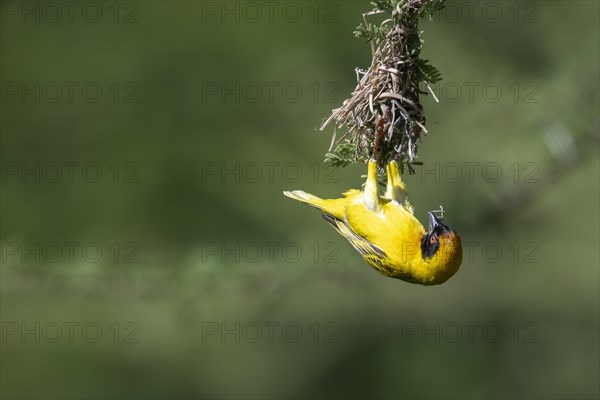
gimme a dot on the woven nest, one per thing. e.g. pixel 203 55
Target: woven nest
pixel 384 117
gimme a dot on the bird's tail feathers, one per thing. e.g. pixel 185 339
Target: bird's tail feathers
pixel 307 198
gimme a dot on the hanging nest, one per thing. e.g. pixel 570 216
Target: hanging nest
pixel 384 117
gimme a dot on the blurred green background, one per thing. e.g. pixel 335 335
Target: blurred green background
pixel 191 276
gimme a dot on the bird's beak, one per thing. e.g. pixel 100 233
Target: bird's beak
pixel 433 221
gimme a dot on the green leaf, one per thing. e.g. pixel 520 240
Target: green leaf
pixel 428 72
pixel 342 155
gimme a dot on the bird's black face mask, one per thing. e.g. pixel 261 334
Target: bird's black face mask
pixel 430 242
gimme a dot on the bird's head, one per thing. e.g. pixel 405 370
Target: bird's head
pixel 441 247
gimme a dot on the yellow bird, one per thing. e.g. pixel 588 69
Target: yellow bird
pixel 387 234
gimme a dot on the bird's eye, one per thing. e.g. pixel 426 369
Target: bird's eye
pixel 432 239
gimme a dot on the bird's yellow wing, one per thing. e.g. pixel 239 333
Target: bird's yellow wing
pixel 374 255
pixel 394 229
